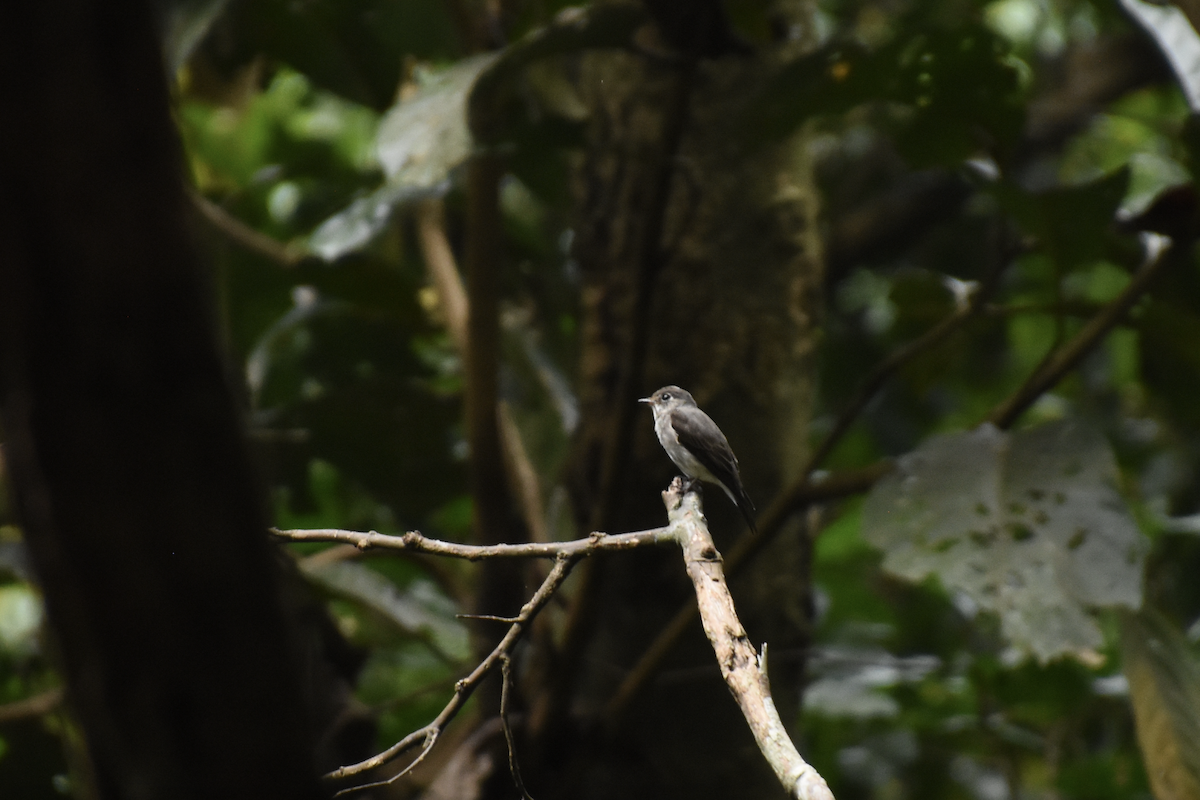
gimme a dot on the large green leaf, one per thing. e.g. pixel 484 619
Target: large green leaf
pixel 420 141
pixel 426 136
pixel 1029 525
pixel 572 31
pixel 417 610
pixel 357 225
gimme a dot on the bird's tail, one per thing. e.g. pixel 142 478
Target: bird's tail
pixel 742 501
pixel 747 508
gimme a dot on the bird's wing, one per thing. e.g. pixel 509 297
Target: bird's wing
pixel 700 435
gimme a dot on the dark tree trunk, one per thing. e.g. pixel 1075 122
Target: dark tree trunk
pixel 702 267
pixel 130 477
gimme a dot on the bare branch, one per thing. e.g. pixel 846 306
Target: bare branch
pixel 487 618
pixel 443 270
pixel 514 768
pixel 428 736
pixel 34 706
pixel 1063 360
pixel 798 495
pixel 743 669
pixel 243 235
pixel 418 543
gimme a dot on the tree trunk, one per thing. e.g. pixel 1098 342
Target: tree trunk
pixel 130 477
pixel 702 267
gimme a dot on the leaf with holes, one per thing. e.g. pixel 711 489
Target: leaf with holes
pixel 1029 525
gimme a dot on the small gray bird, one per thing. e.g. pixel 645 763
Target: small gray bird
pixel 697 446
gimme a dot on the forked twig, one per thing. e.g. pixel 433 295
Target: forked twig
pixel 428 736
pixel 506 687
pixel 1061 361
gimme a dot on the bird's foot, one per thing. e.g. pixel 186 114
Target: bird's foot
pixel 692 485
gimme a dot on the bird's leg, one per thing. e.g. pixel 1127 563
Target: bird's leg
pixel 692 485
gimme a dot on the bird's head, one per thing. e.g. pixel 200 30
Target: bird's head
pixel 668 398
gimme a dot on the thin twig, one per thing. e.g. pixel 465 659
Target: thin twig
pixel 243 235
pixel 452 296
pixel 419 543
pixel 743 669
pixel 34 706
pixel 885 370
pixel 487 618
pixel 1065 358
pixel 428 736
pixel 505 689
pixel 443 270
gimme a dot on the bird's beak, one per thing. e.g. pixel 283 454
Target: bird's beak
pixel 644 399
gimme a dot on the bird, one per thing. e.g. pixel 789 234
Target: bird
pixel 697 446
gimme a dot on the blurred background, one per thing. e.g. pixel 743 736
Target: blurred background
pixel 452 241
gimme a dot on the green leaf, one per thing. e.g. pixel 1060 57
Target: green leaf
pixel 573 30
pixel 1071 223
pixel 20 619
pixel 1029 525
pixel 1164 685
pixel 425 137
pixel 356 226
pixel 417 611
pixel 421 140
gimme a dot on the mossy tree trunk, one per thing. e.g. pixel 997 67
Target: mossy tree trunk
pixel 702 266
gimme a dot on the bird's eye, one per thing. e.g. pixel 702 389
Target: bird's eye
pixel 664 396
